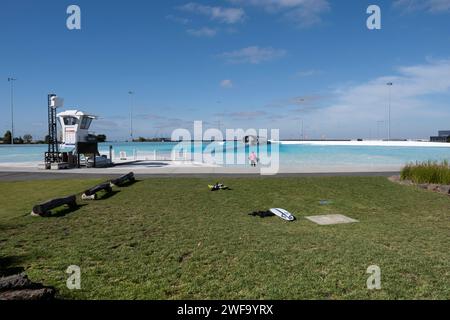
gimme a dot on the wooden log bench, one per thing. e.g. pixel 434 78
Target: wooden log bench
pixel 123 179
pixel 45 208
pixel 91 194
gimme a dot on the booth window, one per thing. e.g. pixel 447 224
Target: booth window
pixel 85 123
pixel 70 121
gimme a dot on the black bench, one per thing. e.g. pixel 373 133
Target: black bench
pixel 91 194
pixel 43 209
pixel 123 179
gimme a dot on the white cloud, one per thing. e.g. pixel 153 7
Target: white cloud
pixel 221 14
pixel 304 13
pixel 226 84
pixel 253 55
pixel 202 32
pixel 416 107
pixel 433 6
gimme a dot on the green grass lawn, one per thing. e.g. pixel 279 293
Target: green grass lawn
pixel 173 239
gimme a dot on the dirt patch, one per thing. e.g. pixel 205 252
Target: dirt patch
pixel 439 188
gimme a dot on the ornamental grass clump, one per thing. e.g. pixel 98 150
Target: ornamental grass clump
pixel 427 172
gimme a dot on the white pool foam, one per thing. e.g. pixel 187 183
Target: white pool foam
pixel 369 143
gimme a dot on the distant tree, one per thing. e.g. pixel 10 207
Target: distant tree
pixel 47 139
pixel 18 140
pixel 7 137
pixel 101 138
pixel 448 139
pixel 28 138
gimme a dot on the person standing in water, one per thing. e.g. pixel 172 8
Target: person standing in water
pixel 253 159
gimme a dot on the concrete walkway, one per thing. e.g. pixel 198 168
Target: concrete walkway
pixel 30 171
pixel 27 176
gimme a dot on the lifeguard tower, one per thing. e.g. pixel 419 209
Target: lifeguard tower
pixel 75 128
pixel 75 140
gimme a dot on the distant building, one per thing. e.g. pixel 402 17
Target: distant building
pixel 444 133
pixel 443 136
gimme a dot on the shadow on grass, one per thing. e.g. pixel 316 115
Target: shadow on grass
pixel 8 265
pixel 129 183
pixel 4 227
pixel 108 195
pixel 64 212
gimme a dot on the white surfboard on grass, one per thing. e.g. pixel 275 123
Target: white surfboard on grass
pixel 283 214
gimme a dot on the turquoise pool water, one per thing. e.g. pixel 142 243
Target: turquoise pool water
pixel 313 155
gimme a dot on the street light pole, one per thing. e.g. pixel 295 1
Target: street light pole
pixel 11 81
pixel 131 93
pixel 301 100
pixel 389 84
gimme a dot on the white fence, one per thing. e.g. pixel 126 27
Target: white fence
pixel 150 156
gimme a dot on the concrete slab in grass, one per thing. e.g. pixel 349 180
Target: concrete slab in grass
pixel 331 219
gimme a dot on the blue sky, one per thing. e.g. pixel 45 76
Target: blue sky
pixel 245 64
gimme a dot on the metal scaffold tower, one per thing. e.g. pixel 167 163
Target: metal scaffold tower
pixel 52 156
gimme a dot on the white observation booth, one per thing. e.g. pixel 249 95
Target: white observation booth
pixel 75 139
pixel 75 128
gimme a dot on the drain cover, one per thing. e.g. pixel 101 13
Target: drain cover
pixel 331 219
